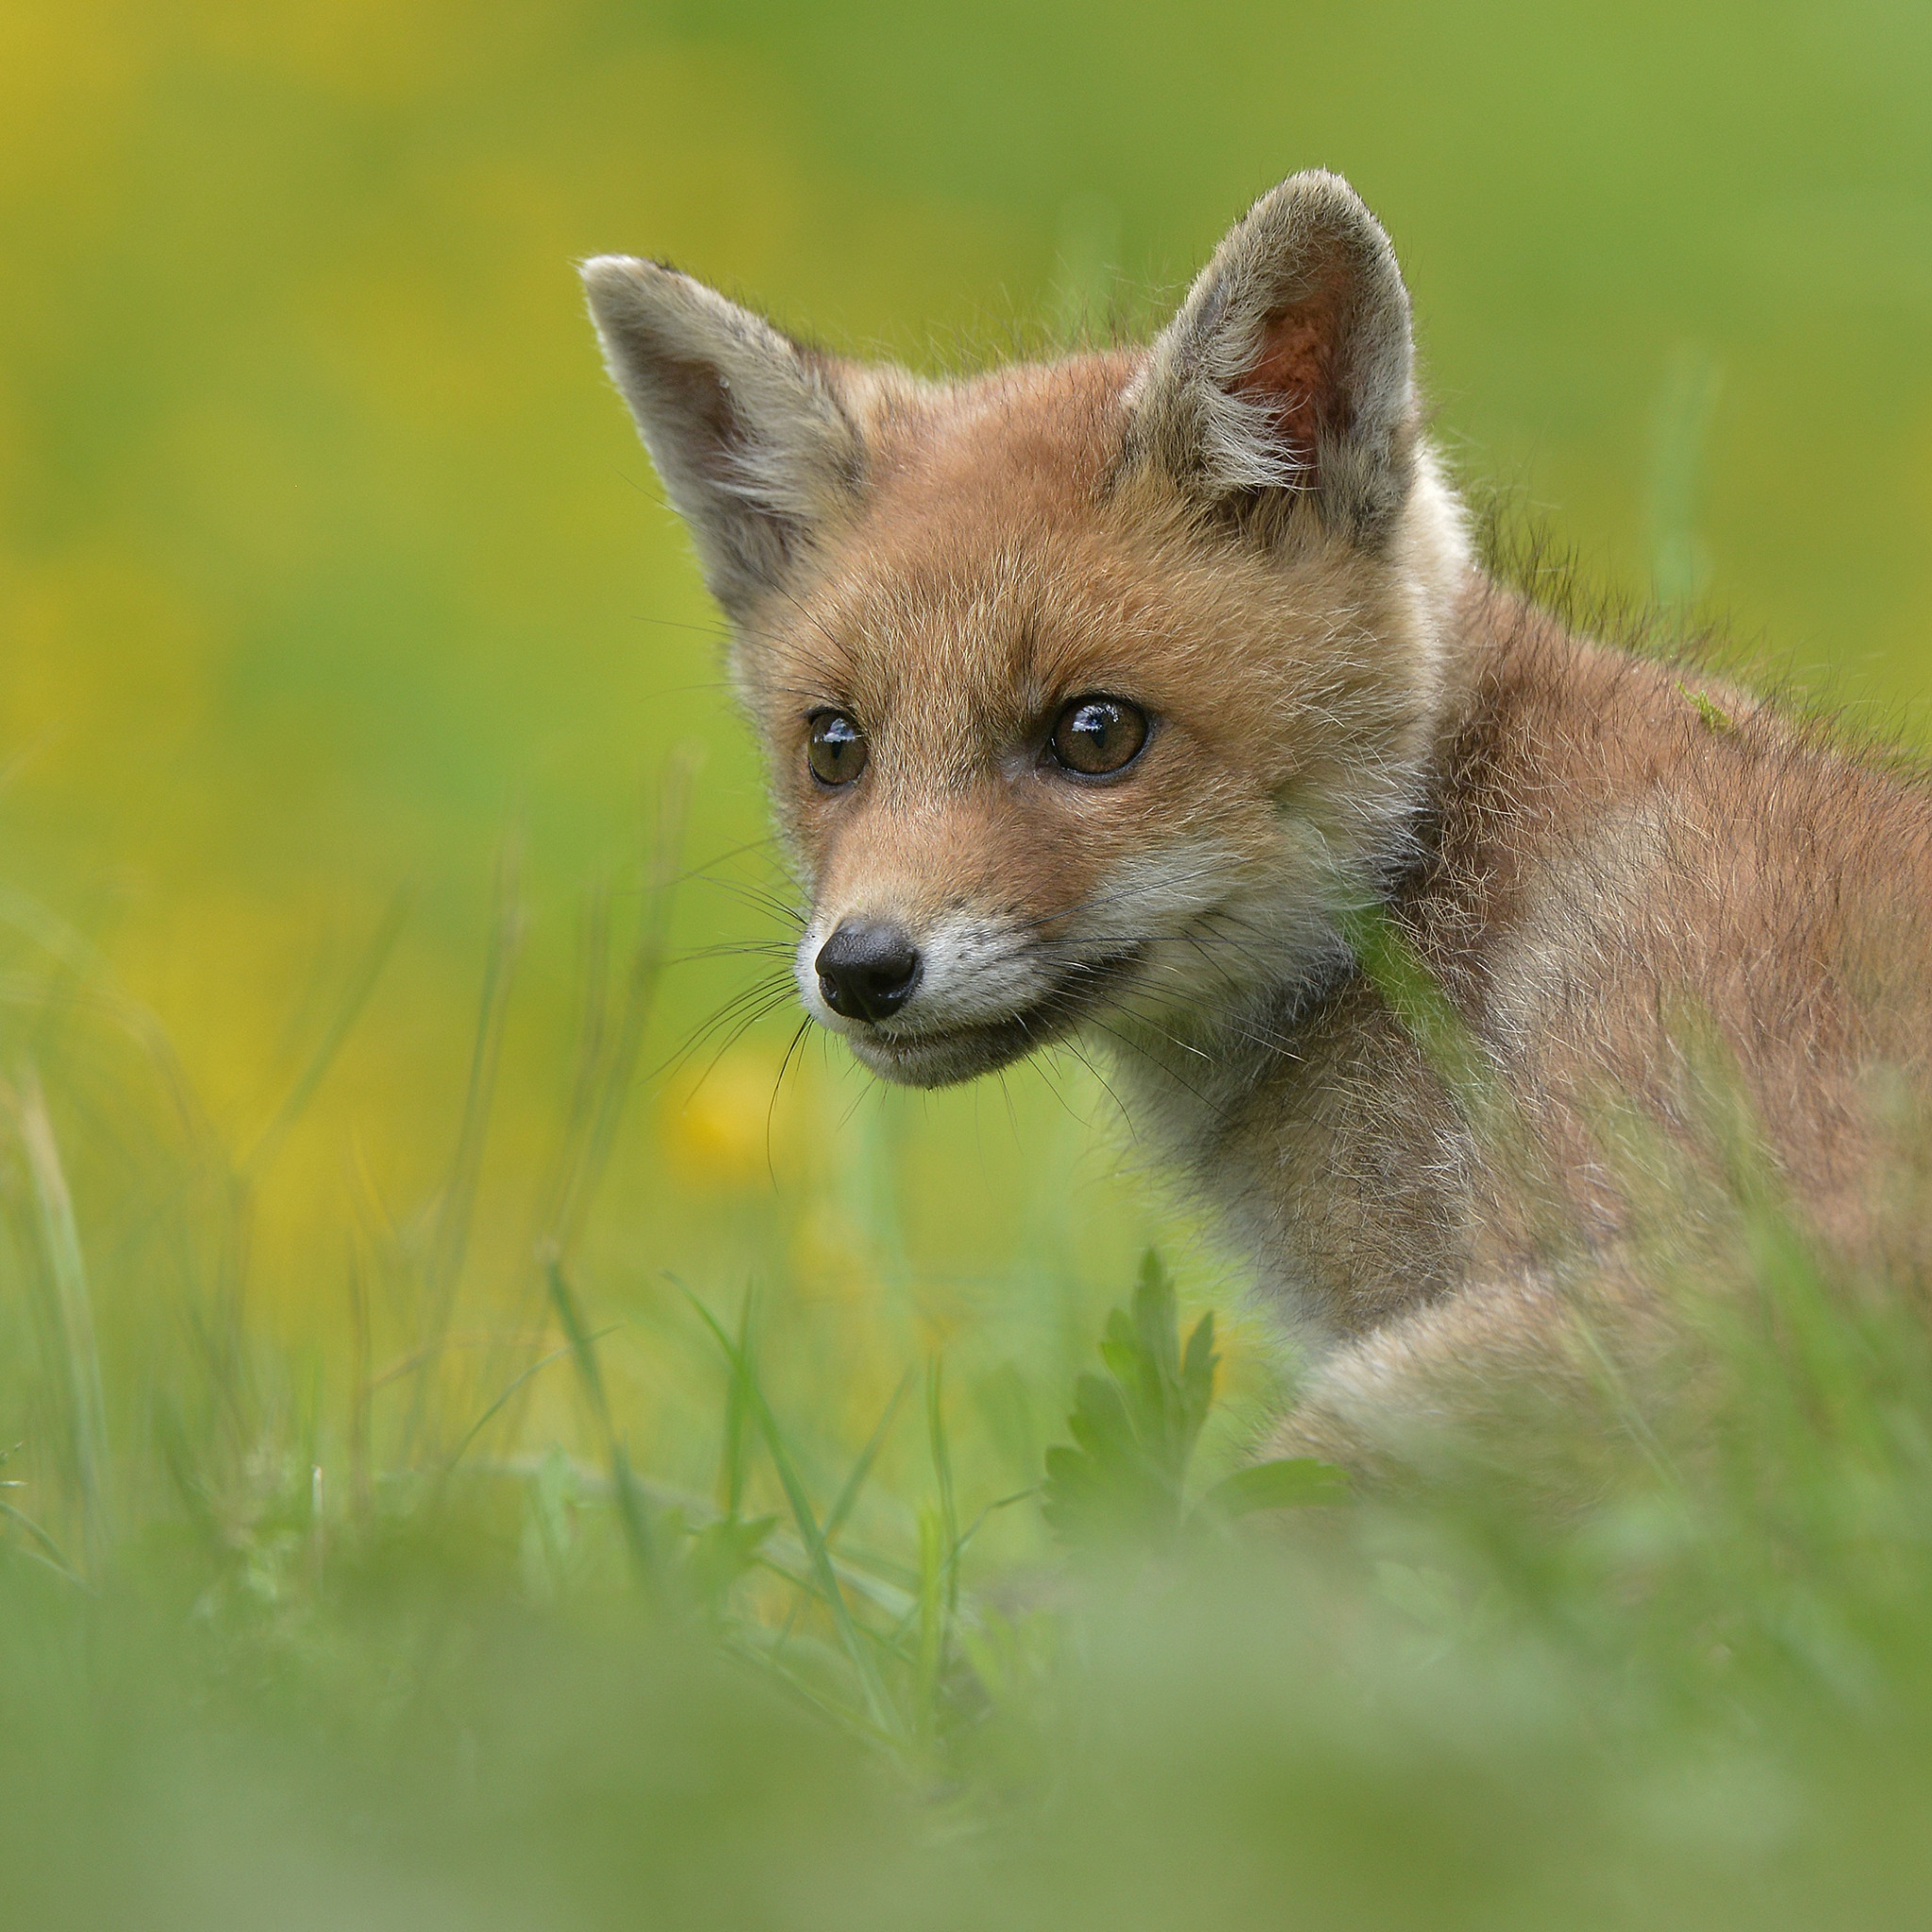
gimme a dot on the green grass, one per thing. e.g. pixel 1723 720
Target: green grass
pixel 427 1646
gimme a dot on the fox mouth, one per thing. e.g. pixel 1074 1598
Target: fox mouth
pixel 943 1056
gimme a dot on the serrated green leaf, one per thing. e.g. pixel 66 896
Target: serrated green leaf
pixel 1136 1427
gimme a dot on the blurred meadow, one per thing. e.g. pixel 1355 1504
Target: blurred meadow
pixel 380 858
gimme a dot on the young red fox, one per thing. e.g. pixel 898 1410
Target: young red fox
pixel 1153 694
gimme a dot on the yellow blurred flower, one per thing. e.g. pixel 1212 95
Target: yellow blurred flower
pixel 723 1130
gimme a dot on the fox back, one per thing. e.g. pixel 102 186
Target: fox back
pixel 1153 695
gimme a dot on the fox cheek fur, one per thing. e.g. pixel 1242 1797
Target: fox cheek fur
pixel 1236 534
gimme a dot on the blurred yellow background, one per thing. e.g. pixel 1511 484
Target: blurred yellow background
pixel 330 570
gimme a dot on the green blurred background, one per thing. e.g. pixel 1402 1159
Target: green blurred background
pixel 330 566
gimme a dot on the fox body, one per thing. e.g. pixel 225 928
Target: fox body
pixel 1121 694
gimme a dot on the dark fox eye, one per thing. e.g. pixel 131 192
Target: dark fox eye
pixel 836 751
pixel 1096 735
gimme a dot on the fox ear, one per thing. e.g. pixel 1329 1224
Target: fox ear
pixel 1287 374
pixel 746 429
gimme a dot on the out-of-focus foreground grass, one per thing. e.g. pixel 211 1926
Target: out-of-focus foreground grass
pixel 386 1541
pixel 270 1661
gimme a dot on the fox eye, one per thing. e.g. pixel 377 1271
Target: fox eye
pixel 836 749
pixel 1096 735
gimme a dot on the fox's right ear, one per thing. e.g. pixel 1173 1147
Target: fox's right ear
pixel 746 427
pixel 1286 375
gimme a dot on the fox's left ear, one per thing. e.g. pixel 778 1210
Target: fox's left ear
pixel 1287 375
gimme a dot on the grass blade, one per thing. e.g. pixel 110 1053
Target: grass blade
pixel 71 1328
pixel 46 1549
pixel 450 1241
pixel 934 1563
pixel 633 1509
pixel 582 1342
pixel 824 1573
pixel 942 1471
pixel 848 1495
pixel 734 1461
pixel 645 974
pixel 495 1408
pixel 362 982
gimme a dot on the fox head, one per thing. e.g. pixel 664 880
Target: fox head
pixel 1093 692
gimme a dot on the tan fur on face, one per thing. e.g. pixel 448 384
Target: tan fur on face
pixel 1005 564
pixel 1240 531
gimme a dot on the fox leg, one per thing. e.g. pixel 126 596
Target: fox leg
pixel 1546 1381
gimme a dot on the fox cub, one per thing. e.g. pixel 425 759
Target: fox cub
pixel 1154 694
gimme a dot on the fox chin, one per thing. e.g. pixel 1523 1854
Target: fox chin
pixel 1120 694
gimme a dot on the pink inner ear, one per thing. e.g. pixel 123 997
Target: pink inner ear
pixel 1294 374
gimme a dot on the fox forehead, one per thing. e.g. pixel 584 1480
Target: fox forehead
pixel 998 566
pixel 974 576
pixel 1028 439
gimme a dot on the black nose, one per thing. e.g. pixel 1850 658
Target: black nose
pixel 867 971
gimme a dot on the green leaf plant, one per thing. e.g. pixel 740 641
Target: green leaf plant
pixel 1135 1430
